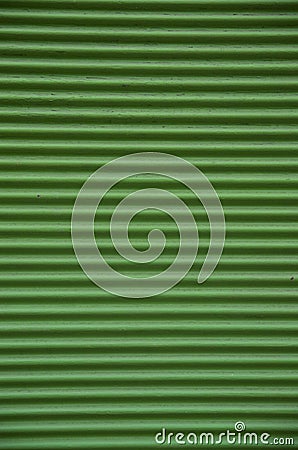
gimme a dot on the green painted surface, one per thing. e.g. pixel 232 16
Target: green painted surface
pixel 81 83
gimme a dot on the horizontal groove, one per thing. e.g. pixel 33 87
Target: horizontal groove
pixel 150 132
pixel 136 409
pixel 101 347
pixel 103 429
pixel 281 84
pixel 158 325
pixel 64 226
pixel 75 165
pixel 168 376
pixel 75 428
pixel 233 150
pixel 156 67
pixel 161 112
pixel 59 243
pixel 217 423
pixel 127 36
pixel 235 218
pixel 167 308
pixel 91 442
pixel 135 48
pixel 56 294
pixel 241 275
pixel 154 130
pixel 149 117
pixel 39 101
pixel 65 195
pixel 259 178
pixel 252 344
pixel 205 81
pixel 131 18
pixel 234 264
pixel 276 32
pixel 153 5
pixel 187 393
pixel 143 70
pixel 151 360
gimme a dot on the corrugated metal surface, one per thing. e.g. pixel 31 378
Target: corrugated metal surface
pixel 81 83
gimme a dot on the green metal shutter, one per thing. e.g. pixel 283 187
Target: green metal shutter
pixel 83 82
